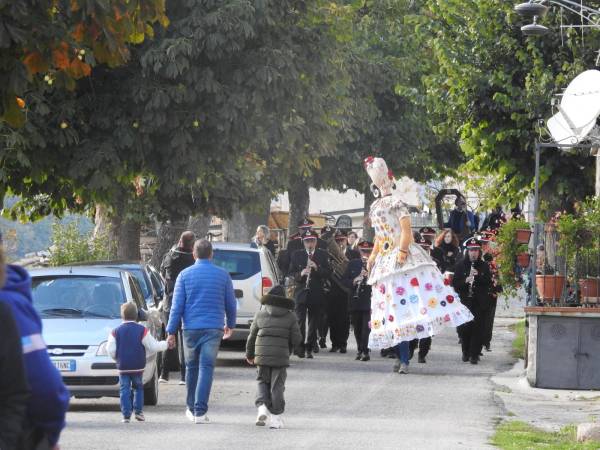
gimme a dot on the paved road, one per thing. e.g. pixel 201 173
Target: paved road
pixel 332 402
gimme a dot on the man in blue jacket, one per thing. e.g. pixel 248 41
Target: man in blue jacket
pixel 49 399
pixel 202 299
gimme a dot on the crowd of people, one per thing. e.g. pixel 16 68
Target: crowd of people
pixel 394 294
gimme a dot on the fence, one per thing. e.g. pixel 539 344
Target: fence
pixel 565 275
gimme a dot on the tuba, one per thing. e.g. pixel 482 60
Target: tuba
pixel 338 261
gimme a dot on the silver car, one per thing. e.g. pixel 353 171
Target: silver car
pixel 79 306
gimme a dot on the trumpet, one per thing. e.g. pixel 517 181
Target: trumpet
pixel 472 278
pixel 362 282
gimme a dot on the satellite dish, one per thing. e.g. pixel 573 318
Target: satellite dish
pixel 578 110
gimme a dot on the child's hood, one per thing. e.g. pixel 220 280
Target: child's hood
pixel 277 305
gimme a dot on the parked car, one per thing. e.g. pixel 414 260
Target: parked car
pixel 254 272
pixel 79 306
pixel 150 280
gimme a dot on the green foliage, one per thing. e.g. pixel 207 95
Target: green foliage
pixel 492 84
pixel 518 344
pixel 516 435
pixel 70 245
pixel 509 248
pixel 580 238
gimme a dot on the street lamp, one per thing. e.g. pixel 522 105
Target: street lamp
pixel 536 9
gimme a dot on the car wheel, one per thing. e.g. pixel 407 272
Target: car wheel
pixel 151 390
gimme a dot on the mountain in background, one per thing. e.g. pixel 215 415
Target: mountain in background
pixel 22 238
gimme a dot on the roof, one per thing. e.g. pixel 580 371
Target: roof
pixel 234 246
pixel 77 270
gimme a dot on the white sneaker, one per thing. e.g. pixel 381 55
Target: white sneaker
pixel 190 415
pixel 201 419
pixel 163 381
pixel 403 368
pixel 263 416
pixel 181 383
pixel 276 422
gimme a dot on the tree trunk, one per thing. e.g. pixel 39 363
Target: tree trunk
pixel 368 230
pixel 107 228
pixel 167 236
pixel 199 224
pixel 128 244
pixel 241 227
pixel 299 196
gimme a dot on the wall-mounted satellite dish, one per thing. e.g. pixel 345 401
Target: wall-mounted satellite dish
pixel 578 110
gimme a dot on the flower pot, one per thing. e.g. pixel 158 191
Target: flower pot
pixel 523 260
pixel 522 236
pixel 590 290
pixel 550 287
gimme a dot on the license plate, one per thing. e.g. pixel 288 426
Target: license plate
pixel 66 365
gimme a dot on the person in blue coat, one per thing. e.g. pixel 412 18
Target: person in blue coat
pixel 49 400
pixel 462 221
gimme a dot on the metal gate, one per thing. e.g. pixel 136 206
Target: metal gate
pixel 568 354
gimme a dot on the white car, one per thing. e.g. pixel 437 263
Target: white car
pixel 253 272
pixel 79 307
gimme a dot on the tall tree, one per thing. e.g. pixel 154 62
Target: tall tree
pixel 493 85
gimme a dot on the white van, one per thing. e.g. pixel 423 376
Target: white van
pixel 254 272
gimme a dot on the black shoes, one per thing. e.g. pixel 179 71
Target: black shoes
pixel 315 348
pixel 465 357
pixel 301 354
pixel 309 355
pixel 365 357
pixel 474 360
pixel 422 359
pixel 323 343
pixel 488 348
pixel 343 349
pixel 358 356
pixel 333 349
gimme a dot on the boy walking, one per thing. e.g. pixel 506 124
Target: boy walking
pixel 274 334
pixel 128 344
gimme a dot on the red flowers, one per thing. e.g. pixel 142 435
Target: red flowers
pixel 368 160
pixel 390 174
pixel 391 318
pixel 414 282
pixel 382 288
pixel 450 299
pixel 446 281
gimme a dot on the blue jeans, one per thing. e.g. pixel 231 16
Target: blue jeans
pixel 402 351
pixel 200 348
pixel 131 385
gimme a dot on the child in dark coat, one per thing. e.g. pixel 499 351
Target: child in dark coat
pixel 274 334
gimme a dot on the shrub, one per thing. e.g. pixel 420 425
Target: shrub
pixel 70 245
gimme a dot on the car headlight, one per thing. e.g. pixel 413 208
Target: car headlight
pixel 102 349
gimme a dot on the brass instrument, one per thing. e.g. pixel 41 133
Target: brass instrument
pixel 339 263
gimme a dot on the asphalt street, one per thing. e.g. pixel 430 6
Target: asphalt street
pixel 332 402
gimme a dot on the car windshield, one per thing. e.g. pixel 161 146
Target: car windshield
pixel 240 264
pixel 78 296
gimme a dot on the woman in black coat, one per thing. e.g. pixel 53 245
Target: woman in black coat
pixel 446 252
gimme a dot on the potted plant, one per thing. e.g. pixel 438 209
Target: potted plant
pixel 580 245
pixel 522 235
pixel 523 259
pixel 509 249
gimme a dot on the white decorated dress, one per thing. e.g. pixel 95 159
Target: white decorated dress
pixel 412 300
